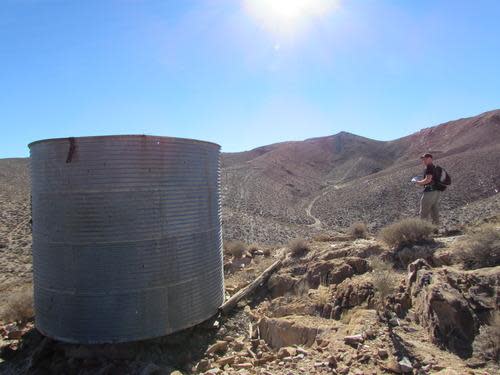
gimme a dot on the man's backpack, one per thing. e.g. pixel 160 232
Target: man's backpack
pixel 441 178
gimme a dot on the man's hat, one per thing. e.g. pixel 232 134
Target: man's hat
pixel 426 155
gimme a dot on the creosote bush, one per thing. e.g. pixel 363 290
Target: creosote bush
pixel 298 247
pixel 358 230
pixel 481 248
pixel 235 248
pixel 487 344
pixel 407 232
pixel 19 306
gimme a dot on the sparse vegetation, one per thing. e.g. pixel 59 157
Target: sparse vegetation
pixel 378 265
pixel 252 248
pixel 407 232
pixel 481 248
pixel 358 230
pixel 323 295
pixel 487 344
pixel 298 247
pixel 235 248
pixel 19 306
pixel 323 292
pixel 383 279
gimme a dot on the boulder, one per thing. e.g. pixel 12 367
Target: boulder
pixel 443 311
pixel 287 351
pixel 335 271
pixel 451 304
pixel 281 332
pixel 218 347
pixel 281 284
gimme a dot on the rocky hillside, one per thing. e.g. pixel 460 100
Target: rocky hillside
pixel 339 306
pixel 324 183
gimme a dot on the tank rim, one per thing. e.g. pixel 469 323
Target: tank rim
pixel 97 137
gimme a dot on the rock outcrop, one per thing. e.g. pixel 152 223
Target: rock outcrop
pixel 450 304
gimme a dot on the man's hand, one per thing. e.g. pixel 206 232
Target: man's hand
pixel 427 180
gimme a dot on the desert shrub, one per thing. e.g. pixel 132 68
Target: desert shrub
pixel 323 295
pixel 480 248
pixel 383 279
pixel 487 344
pixel 235 248
pixel 252 248
pixel 379 265
pixel 384 285
pixel 407 232
pixel 19 306
pixel 298 247
pixel 358 230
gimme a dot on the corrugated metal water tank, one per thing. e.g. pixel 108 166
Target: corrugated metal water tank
pixel 126 236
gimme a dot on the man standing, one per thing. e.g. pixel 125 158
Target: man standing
pixel 429 204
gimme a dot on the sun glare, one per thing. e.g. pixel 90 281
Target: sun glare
pixel 288 17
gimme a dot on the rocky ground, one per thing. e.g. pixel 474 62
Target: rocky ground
pixel 15 232
pixel 343 306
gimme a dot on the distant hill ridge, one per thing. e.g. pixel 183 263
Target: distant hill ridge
pixel 282 190
pixel 278 182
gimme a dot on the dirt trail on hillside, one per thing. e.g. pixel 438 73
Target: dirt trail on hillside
pixel 317 222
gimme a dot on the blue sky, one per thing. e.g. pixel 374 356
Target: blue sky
pixel 243 73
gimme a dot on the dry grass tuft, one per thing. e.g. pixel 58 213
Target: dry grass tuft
pixel 487 344
pixel 383 280
pixel 407 232
pixel 235 248
pixel 323 295
pixel 378 265
pixel 19 306
pixel 298 247
pixel 481 248
pixel 358 230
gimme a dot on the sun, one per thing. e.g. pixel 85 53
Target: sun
pixel 288 17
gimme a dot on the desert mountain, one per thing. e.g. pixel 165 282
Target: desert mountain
pixel 336 180
pixel 276 192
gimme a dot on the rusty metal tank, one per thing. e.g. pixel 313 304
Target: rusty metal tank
pixel 126 236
